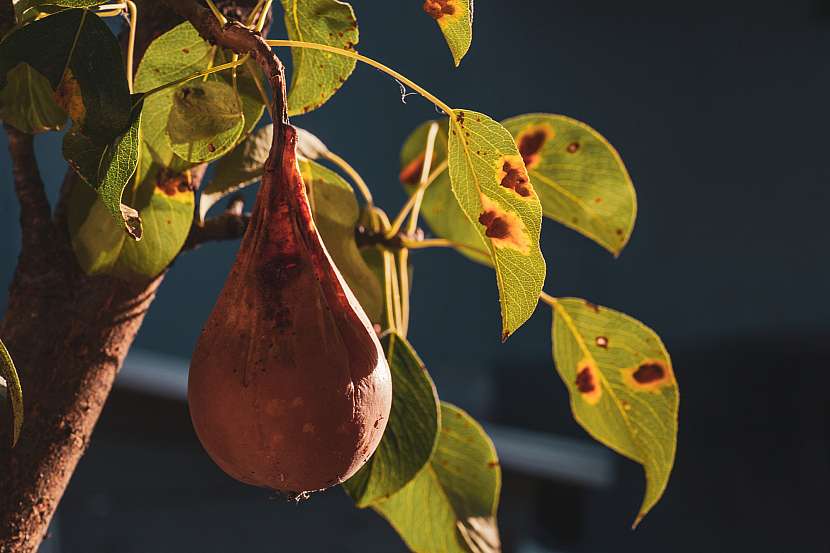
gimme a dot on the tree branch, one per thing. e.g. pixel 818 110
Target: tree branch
pixel 230 225
pixel 35 213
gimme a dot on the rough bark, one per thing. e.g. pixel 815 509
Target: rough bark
pixel 68 333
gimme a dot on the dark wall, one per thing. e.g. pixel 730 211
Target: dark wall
pixel 721 116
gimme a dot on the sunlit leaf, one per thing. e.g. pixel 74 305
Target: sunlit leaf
pixel 14 391
pixel 411 433
pixel 440 208
pixel 80 57
pixel 335 211
pixel 108 168
pixel 455 19
pixel 252 104
pixel 69 3
pixel 579 177
pixel 622 386
pixel 450 506
pixel 316 75
pixel 27 102
pixel 491 184
pixel 241 167
pixel 309 146
pixel 166 204
pixel 205 121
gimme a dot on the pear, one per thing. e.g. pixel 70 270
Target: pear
pixel 288 387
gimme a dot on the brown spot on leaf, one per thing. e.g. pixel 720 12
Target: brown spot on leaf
pixel 68 96
pixel 460 118
pixel 602 342
pixel 587 381
pixel 505 229
pixel 573 147
pixel 411 173
pixel 493 464
pixel 530 142
pixel 174 183
pixel 649 372
pixel 513 175
pixel 437 9
pixel 185 50
pixel 649 375
pixel 592 306
pixel 211 147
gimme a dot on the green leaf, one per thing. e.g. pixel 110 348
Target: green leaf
pixel 108 168
pixel 316 75
pixel 451 504
pixel 455 19
pixel 166 204
pixel 440 208
pixel 79 56
pixel 252 105
pixel 241 167
pixel 581 180
pixel 206 120
pixel 335 211
pixel 412 431
pixel 490 181
pixel 27 102
pixel 15 392
pixel 174 55
pixel 622 386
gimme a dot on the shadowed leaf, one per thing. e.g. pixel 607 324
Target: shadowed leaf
pixel 27 102
pixel 622 386
pixel 450 506
pixel 411 433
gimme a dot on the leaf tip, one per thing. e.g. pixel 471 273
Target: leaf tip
pixel 132 222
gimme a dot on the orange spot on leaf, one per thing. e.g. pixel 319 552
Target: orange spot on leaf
pixel 587 382
pixel 530 142
pixel 649 375
pixel 512 175
pixel 505 229
pixel 439 8
pixel 411 174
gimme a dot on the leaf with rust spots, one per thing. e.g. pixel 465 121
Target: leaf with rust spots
pixel 101 249
pixel 39 113
pixel 450 506
pixel 76 53
pixel 412 431
pixel 455 19
pixel 622 387
pixel 10 385
pixel 579 177
pixel 316 76
pixel 108 168
pixel 478 148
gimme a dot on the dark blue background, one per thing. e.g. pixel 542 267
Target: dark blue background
pixel 721 117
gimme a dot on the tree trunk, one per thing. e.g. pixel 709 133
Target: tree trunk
pixel 68 334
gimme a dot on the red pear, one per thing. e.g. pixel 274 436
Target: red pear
pixel 288 388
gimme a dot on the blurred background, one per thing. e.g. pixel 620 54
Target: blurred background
pixel 720 113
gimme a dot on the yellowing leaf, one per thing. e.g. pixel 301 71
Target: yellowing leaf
pixel 579 177
pixel 15 392
pixel 166 204
pixel 455 19
pixel 491 184
pixel 622 386
pixel 317 75
pixel 450 506
pixel 411 433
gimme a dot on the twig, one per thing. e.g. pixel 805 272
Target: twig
pixel 230 225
